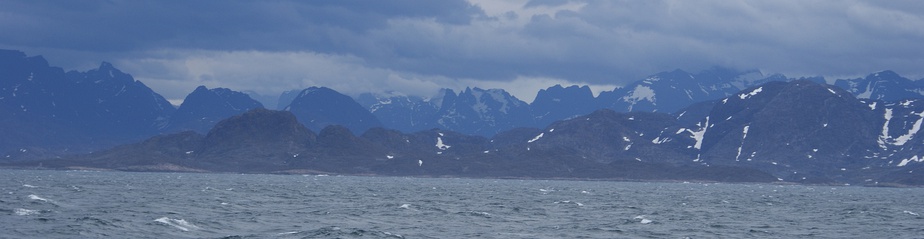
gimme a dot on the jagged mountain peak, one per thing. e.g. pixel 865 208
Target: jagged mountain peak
pixel 558 103
pixel 670 91
pixel 559 89
pixel 440 96
pixel 101 106
pixel 106 66
pixel 483 112
pixel 484 96
pixel 106 73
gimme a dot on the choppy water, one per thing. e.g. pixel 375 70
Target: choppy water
pixel 73 204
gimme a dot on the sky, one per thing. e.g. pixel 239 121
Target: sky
pixel 416 47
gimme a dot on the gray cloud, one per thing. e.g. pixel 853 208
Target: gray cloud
pixel 394 45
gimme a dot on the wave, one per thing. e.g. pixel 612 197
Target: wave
pixel 570 202
pixel 25 212
pixel 643 220
pixel 337 232
pixel 476 213
pixel 177 223
pixel 37 198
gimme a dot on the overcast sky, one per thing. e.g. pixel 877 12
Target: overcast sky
pixel 417 47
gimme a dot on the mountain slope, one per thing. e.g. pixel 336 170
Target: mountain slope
pixel 44 107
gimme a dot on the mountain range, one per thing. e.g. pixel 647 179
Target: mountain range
pixel 718 124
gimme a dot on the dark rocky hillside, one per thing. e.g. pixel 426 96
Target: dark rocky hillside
pixel 265 141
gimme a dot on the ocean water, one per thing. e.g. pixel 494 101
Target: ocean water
pixel 81 204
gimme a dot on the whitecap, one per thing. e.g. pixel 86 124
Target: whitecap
pixel 642 219
pixel 25 212
pixel 389 234
pixel 480 214
pixel 911 213
pixel 286 233
pixel 177 223
pixel 28 186
pixel 570 202
pixel 405 206
pixel 37 198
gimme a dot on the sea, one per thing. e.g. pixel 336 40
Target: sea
pixel 91 204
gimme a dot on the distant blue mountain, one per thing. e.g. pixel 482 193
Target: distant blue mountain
pixel 487 112
pixel 319 107
pixel 483 112
pixel 286 98
pixel 204 107
pixel 728 126
pixel 109 100
pixel 884 85
pixel 670 91
pixel 558 103
pixel 401 112
pixel 268 101
pixel 474 111
pixel 47 106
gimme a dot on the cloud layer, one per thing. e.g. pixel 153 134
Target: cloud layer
pixel 419 46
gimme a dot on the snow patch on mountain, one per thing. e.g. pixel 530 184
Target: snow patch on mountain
pixel 536 138
pixel 868 92
pixel 499 96
pixel 885 139
pixel 909 160
pixel 743 137
pixel 638 94
pixel 752 93
pixel 659 140
pixel 440 145
pixel 699 134
pixel 901 140
pixel 885 129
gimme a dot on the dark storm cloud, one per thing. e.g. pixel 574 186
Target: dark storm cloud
pixel 249 25
pixel 441 43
